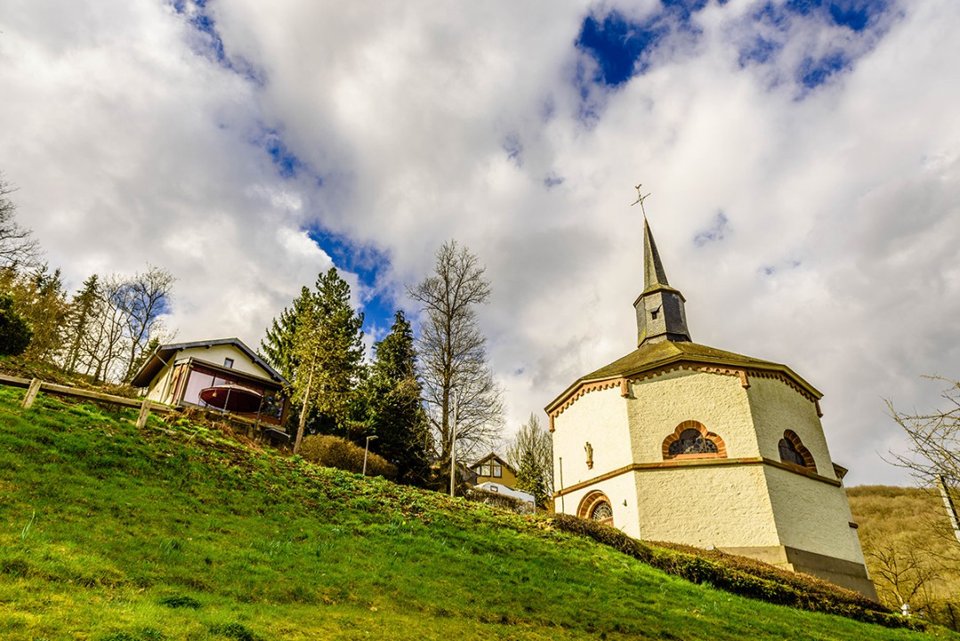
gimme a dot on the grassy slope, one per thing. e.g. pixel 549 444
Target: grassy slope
pixel 908 518
pixel 100 525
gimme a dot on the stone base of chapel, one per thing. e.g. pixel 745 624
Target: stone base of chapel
pixel 846 574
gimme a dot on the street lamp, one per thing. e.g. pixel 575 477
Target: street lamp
pixel 453 446
pixel 366 449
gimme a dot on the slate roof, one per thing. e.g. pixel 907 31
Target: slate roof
pixel 650 356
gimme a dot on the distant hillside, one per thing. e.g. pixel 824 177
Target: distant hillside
pixel 909 545
pixel 178 532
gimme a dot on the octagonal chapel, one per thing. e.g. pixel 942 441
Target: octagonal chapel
pixel 690 444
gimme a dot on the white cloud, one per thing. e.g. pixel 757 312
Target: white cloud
pixel 129 145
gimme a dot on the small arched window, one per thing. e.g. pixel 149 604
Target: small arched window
pixel 793 451
pixel 595 506
pixel 692 440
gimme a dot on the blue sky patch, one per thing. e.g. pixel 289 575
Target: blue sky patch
pixel 213 48
pixel 813 73
pixel 369 264
pixel 717 231
pixel 514 149
pixel 617 45
pixel 551 180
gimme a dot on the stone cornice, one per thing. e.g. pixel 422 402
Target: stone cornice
pixel 699 462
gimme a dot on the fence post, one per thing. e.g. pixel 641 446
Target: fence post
pixel 31 394
pixel 144 413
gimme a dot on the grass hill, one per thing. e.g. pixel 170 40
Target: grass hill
pixel 108 533
pixel 910 547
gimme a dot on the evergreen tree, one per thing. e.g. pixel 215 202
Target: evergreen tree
pixel 83 310
pixel 530 479
pixel 531 452
pixel 394 405
pixel 15 334
pixel 327 349
pixel 277 345
pixel 39 297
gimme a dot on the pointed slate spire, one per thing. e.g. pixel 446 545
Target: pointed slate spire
pixel 660 308
pixel 653 273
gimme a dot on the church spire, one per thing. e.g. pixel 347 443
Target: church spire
pixel 660 311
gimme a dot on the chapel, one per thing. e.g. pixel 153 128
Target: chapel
pixel 685 443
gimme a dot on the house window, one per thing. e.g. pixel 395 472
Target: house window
pixel 491 469
pixel 692 440
pixel 228 362
pixel 793 451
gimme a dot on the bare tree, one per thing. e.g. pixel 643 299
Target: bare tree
pixel 142 300
pixel 904 575
pixel 18 247
pixel 934 458
pixel 457 382
pixel 934 437
pixel 103 346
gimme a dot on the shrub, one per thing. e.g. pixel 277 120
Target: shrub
pixel 15 334
pixel 500 500
pixel 333 451
pixel 740 575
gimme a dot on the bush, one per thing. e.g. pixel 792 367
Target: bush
pixel 333 451
pixel 739 575
pixel 500 500
pixel 15 334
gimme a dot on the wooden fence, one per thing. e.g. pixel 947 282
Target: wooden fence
pixel 34 386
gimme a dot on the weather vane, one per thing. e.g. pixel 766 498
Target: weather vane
pixel 640 199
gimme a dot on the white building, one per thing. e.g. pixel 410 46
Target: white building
pixel 690 444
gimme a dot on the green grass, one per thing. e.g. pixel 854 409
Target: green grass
pixel 177 532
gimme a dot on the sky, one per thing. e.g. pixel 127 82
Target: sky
pixel 803 160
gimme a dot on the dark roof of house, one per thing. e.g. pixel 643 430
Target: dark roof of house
pixel 651 356
pixel 164 353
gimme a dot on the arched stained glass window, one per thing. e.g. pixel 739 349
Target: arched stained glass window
pixel 793 451
pixel 602 512
pixel 691 441
pixel 596 507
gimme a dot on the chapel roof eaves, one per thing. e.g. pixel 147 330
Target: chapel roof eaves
pixel 651 356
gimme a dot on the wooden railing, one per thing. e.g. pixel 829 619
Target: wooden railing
pixel 34 386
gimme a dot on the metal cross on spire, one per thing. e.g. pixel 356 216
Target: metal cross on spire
pixel 640 199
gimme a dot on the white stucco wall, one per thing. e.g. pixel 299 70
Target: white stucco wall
pixel 718 401
pixel 722 506
pixel 778 407
pixel 619 490
pixel 812 515
pixel 600 418
pixel 158 391
pixel 217 354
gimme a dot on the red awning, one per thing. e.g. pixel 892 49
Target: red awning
pixel 232 398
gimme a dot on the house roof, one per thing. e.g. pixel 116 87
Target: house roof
pixel 494 455
pixel 651 356
pixel 162 355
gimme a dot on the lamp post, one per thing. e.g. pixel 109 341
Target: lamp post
pixel 366 449
pixel 453 446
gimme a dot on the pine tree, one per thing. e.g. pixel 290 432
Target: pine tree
pixel 277 345
pixel 531 452
pixel 83 309
pixel 394 405
pixel 15 333
pixel 327 349
pixel 530 479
